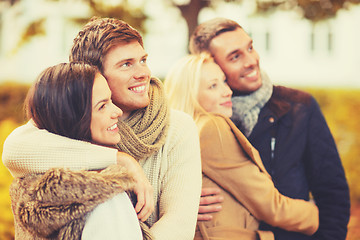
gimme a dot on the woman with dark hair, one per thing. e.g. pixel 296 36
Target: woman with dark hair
pixel 163 141
pixel 60 101
pixel 74 100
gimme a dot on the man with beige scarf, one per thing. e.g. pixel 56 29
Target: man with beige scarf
pixel 163 141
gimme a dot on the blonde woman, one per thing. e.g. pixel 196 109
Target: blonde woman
pixel 197 86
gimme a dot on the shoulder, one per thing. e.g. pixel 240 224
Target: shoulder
pixel 291 95
pixel 179 116
pixel 180 121
pixel 213 124
pixel 285 100
pixel 181 128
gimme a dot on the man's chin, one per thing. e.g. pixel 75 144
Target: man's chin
pixel 255 85
pixel 142 104
pixel 247 91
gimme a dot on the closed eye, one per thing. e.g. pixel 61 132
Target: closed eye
pixel 213 86
pixel 102 106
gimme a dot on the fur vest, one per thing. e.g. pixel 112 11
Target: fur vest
pixel 54 205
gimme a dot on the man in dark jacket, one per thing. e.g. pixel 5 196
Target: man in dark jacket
pixel 285 125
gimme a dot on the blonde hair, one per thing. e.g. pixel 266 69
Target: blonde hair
pixel 182 84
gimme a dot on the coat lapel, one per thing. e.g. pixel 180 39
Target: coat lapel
pixel 248 148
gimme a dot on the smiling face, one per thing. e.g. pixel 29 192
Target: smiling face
pixel 104 115
pixel 128 76
pixel 214 93
pixel 234 53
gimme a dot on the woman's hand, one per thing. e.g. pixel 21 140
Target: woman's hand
pixel 209 203
pixel 143 189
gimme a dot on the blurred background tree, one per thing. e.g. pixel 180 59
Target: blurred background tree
pixel 134 15
pixel 12 96
pixel 313 10
pixel 6 217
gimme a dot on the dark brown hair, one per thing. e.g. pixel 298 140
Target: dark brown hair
pixel 60 101
pixel 98 36
pixel 203 34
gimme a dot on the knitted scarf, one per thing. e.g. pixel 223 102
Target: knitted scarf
pixel 246 108
pixel 144 132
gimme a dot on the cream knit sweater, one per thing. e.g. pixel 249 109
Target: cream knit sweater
pixel 30 150
pixel 174 171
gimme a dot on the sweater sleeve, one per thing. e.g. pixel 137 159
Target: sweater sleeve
pixel 180 183
pixel 225 162
pixel 31 150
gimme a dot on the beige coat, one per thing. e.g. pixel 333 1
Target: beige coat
pixel 230 162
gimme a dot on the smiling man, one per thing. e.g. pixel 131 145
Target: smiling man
pixel 285 125
pixel 130 88
pixel 163 141
pixel 242 78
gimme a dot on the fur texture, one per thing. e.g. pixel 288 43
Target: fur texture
pixel 54 205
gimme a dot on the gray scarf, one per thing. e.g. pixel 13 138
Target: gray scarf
pixel 246 108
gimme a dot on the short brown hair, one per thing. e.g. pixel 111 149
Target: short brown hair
pixel 60 101
pixel 97 37
pixel 203 34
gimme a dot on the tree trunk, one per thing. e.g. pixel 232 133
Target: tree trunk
pixel 190 13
